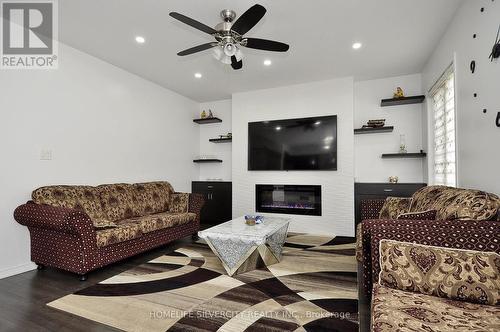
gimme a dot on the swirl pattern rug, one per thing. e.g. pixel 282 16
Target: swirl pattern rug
pixel 313 288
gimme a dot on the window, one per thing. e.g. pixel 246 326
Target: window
pixel 443 99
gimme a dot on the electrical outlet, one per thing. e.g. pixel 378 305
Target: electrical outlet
pixel 46 154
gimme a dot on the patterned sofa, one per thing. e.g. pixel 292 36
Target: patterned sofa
pixel 82 228
pixel 434 216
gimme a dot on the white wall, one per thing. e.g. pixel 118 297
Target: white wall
pixel 312 99
pixel 103 125
pixel 478 138
pixel 222 110
pixel 406 119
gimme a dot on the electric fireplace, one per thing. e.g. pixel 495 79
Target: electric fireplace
pixel 288 199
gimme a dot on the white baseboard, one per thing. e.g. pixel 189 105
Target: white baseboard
pixel 10 271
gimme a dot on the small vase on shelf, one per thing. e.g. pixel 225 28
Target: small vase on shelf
pixel 402 144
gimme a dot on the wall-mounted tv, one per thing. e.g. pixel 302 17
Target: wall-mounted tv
pixel 293 144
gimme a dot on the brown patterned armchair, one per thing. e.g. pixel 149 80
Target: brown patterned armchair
pixel 462 219
pixel 82 228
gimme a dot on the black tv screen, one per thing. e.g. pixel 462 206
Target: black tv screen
pixel 294 144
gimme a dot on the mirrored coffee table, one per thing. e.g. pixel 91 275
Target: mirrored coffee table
pixel 242 248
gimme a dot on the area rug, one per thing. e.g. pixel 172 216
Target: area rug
pixel 313 288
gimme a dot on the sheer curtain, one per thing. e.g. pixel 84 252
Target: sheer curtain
pixel 443 99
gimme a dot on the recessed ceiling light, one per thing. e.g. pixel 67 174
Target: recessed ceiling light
pixel 267 62
pixel 140 39
pixel 357 46
pixel 198 75
pixel 278 128
pixel 317 123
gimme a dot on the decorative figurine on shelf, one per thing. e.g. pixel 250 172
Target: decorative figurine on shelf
pixel 210 114
pixel 393 179
pixel 402 144
pixel 399 93
pixel 374 123
pixel 203 114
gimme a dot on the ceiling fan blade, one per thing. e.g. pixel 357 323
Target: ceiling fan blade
pixel 198 48
pixel 235 63
pixel 266 45
pixel 248 19
pixel 195 24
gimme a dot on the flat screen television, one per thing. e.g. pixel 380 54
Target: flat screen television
pixel 293 144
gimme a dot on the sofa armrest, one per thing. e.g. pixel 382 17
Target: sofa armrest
pixel 370 208
pixel 472 235
pixel 55 218
pixel 196 202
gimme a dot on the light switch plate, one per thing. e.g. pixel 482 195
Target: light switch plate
pixel 46 154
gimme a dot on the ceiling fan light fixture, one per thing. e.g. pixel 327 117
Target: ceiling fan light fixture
pixel 226 60
pixel 230 49
pixel 221 56
pixel 230 36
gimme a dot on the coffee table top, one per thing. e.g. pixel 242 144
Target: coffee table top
pixel 238 229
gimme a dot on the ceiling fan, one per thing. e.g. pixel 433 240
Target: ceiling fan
pixel 229 36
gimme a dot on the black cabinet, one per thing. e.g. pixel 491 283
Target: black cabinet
pixel 381 190
pixel 218 201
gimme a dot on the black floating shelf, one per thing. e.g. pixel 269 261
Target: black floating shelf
pixel 207 120
pixel 207 161
pixel 402 101
pixel 367 130
pixel 221 140
pixel 405 155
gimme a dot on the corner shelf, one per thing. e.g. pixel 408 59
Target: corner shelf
pixel 385 129
pixel 405 155
pixel 221 140
pixel 207 161
pixel 402 101
pixel 207 120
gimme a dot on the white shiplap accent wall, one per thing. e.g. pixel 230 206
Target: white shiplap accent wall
pixel 332 97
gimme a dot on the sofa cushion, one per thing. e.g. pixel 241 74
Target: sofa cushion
pixel 179 202
pixel 397 310
pixel 118 201
pixel 123 232
pixel 153 197
pixel 82 198
pixel 466 275
pixel 423 215
pixel 154 222
pixel 394 206
pixel 456 203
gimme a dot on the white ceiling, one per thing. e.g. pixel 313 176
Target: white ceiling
pixel 397 35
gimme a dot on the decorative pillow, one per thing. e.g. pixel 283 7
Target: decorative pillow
pixel 424 215
pixel 179 202
pixel 394 206
pixel 467 275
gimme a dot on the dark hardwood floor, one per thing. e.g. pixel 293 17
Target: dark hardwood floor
pixel 23 297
